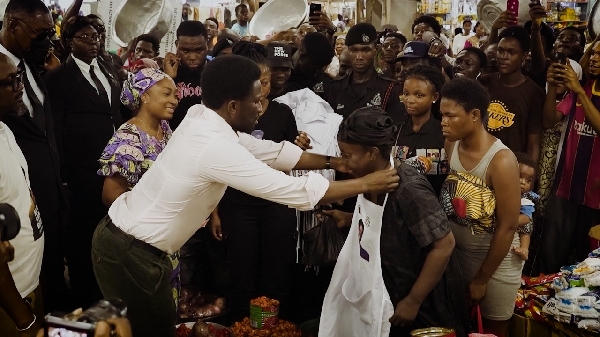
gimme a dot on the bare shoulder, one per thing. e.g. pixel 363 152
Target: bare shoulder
pixel 503 167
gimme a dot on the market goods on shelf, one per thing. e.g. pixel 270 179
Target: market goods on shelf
pixel 282 329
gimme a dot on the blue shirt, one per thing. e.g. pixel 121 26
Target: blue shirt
pixel 241 30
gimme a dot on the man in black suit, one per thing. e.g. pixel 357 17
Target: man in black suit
pixel 25 39
pixel 85 108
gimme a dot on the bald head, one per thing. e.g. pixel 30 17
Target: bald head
pixel 11 88
pixel 345 63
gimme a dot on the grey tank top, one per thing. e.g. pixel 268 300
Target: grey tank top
pixel 481 169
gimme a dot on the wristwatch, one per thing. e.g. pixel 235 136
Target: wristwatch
pixel 328 162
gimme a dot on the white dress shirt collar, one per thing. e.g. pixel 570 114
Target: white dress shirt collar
pixel 85 68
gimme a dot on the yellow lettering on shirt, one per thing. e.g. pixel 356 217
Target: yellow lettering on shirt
pixel 499 117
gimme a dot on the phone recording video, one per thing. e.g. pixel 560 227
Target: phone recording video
pixel 314 8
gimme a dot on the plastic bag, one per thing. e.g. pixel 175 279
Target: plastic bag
pixel 323 243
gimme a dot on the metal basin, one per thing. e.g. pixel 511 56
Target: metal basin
pixel 278 15
pixel 489 10
pixel 137 17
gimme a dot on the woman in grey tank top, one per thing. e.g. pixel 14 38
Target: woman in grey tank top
pixel 482 200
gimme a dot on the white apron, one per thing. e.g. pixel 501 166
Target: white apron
pixel 357 302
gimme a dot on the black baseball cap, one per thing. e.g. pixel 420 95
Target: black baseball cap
pixel 279 55
pixel 415 49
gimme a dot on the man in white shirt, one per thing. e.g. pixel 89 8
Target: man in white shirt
pixel 21 307
pixel 210 151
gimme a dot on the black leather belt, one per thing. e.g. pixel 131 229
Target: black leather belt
pixel 135 242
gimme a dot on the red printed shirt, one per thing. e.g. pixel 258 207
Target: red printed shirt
pixel 578 171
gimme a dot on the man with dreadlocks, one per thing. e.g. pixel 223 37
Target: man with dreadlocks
pixel 398 248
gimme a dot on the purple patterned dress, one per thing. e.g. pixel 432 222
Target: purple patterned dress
pixel 130 153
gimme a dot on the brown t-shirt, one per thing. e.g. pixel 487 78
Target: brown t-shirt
pixel 514 112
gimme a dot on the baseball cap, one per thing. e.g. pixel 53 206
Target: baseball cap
pixel 415 49
pixel 279 55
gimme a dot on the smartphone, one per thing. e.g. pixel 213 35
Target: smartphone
pixel 58 327
pixel 513 6
pixel 560 58
pixel 314 8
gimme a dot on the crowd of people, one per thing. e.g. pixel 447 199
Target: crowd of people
pixel 136 174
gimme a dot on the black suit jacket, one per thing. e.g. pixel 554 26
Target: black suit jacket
pixel 83 122
pixel 39 148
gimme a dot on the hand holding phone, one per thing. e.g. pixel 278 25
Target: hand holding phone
pixel 560 57
pixel 314 8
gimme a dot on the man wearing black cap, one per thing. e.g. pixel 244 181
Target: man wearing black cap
pixel 415 52
pixel 364 87
pixel 315 53
pixel 279 57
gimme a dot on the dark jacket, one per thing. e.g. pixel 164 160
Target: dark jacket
pixel 344 101
pixel 83 122
pixel 40 150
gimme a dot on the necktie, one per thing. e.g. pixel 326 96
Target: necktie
pixel 101 91
pixel 39 118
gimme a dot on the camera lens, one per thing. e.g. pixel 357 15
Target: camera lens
pixel 10 224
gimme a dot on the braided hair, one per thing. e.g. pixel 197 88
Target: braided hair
pixel 432 75
pixel 251 50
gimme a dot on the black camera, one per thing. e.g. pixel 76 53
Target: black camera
pixel 10 223
pixel 58 325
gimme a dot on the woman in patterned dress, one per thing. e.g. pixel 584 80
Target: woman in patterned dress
pixel 151 95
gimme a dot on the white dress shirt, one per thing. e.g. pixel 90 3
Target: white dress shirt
pixel 36 89
pixel 187 180
pixel 85 71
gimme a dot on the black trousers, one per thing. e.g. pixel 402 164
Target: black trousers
pixel 87 210
pixel 52 278
pixel 261 245
pixel 565 234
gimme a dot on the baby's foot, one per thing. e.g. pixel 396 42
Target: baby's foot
pixel 521 252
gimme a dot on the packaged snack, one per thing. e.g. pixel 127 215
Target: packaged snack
pixel 536 281
pixel 551 309
pixel 588 266
pixel 571 307
pixel 592 280
pixel 589 324
pixel 567 270
pixel 560 284
pixel 571 293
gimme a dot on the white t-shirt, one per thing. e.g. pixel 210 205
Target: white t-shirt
pixel 189 177
pixel 458 43
pixel 15 190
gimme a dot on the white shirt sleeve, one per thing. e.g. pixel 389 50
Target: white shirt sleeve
pixel 281 156
pixel 235 165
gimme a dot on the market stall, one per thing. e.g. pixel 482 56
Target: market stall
pixel 566 303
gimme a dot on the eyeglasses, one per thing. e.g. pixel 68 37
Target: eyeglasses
pixel 38 35
pixel 91 39
pixel 390 46
pixel 15 82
